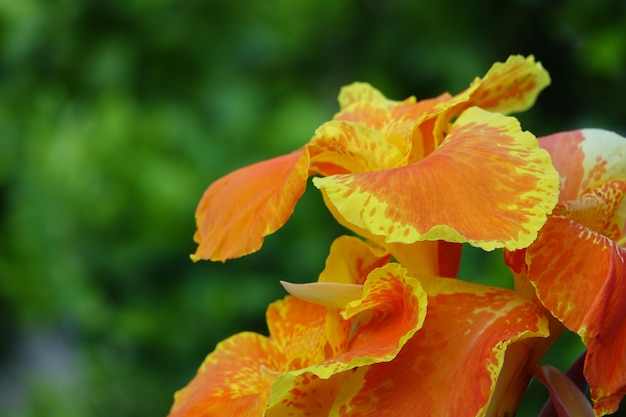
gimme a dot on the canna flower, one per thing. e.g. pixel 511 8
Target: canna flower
pixel 402 174
pixel 359 343
pixel 576 265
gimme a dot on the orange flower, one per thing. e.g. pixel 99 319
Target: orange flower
pixel 402 172
pixel 299 368
pixel 359 343
pixel 577 264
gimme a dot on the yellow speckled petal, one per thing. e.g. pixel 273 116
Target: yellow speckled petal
pixel 341 147
pixel 460 347
pixel 488 184
pixel 597 209
pixel 511 86
pixel 234 380
pixel 298 328
pixel 359 92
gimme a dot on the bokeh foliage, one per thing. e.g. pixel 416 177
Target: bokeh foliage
pixel 115 116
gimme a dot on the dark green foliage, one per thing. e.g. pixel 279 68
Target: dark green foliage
pixel 115 116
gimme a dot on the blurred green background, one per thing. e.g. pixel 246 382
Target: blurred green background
pixel 115 116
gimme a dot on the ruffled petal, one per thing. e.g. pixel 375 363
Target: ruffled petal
pixel 234 380
pixel 511 86
pixel 342 147
pixel 585 158
pixel 391 310
pixel 508 87
pixel 358 93
pixel 460 347
pixel 580 276
pixel 237 211
pixel 501 201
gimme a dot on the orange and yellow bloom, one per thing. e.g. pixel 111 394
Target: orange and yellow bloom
pixel 457 152
pixel 388 328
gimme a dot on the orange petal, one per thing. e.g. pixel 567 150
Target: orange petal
pixel 585 158
pixel 488 184
pixel 298 327
pixel 580 276
pixel 237 211
pixel 234 380
pixel 451 365
pixel 341 147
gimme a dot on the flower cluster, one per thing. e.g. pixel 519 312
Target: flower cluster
pixel 388 329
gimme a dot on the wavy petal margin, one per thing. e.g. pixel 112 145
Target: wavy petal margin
pixel 237 211
pixel 488 184
pixel 234 380
pixel 450 367
pixel 391 310
pixel 580 276
pixel 511 86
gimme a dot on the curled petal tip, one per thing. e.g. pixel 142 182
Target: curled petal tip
pixel 328 294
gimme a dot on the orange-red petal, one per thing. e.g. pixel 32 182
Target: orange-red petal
pixel 580 276
pixel 234 380
pixel 451 365
pixel 488 184
pixel 585 158
pixel 237 211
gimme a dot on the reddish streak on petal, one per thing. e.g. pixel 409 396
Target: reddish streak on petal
pixel 511 86
pixel 237 211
